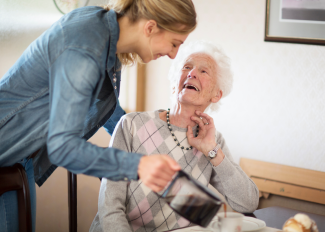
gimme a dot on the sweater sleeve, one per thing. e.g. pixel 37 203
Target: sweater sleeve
pixel 113 194
pixel 112 207
pixel 231 181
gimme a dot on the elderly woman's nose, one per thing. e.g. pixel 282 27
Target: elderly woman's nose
pixel 192 73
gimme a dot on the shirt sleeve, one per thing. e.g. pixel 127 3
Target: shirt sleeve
pixel 113 195
pixel 73 78
pixel 231 181
pixel 113 120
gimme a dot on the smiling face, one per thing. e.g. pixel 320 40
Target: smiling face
pixel 166 43
pixel 159 43
pixel 197 85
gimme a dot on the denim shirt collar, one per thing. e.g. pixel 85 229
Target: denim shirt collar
pixel 114 32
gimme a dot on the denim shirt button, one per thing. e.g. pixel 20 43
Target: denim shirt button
pixel 114 79
pixel 115 87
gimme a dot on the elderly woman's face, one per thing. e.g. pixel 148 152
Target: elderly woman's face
pixel 198 82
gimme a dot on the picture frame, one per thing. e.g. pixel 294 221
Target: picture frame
pixel 294 21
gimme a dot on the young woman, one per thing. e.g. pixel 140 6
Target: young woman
pixel 65 86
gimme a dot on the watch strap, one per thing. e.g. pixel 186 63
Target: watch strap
pixel 214 151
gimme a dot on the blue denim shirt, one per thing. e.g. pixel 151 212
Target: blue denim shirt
pixel 59 93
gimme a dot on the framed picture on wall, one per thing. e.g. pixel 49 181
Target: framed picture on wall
pixel 295 21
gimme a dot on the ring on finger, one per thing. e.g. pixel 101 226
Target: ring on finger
pixel 206 123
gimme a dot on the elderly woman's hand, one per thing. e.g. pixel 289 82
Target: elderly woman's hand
pixel 205 141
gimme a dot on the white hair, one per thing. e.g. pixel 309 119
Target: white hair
pixel 224 74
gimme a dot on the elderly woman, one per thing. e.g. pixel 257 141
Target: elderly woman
pixel 200 77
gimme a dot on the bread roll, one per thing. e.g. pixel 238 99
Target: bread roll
pixel 300 223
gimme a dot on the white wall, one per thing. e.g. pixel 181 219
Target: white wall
pixel 20 23
pixel 276 109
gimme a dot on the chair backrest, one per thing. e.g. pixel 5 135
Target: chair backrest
pixel 72 201
pixel 283 180
pixel 15 178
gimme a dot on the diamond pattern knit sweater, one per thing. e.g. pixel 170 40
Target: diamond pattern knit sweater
pixel 131 206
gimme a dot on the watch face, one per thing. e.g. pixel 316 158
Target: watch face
pixel 212 154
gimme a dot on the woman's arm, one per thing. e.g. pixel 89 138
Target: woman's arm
pixel 111 123
pixel 112 207
pixel 227 177
pixel 232 182
pixel 112 195
pixel 72 85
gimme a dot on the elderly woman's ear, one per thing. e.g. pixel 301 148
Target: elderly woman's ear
pixel 217 97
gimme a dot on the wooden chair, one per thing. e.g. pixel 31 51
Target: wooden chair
pixel 72 201
pixel 298 183
pixel 15 178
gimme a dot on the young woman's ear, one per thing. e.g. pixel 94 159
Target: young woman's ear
pixel 150 28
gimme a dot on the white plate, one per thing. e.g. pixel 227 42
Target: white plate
pixel 249 224
pixel 252 224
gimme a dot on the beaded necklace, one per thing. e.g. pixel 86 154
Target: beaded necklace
pixel 175 139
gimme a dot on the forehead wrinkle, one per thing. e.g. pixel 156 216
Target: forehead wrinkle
pixel 210 63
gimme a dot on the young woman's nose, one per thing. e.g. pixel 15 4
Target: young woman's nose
pixel 172 54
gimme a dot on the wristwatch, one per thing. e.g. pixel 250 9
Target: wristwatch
pixel 214 151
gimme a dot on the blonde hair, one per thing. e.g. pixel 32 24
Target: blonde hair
pixel 170 15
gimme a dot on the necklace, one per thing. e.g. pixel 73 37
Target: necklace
pixel 174 136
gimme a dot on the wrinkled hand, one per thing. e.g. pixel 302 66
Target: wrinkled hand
pixel 205 141
pixel 156 171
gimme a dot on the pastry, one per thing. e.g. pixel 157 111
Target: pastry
pixel 300 223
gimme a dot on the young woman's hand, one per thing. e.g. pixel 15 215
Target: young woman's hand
pixel 156 171
pixel 205 141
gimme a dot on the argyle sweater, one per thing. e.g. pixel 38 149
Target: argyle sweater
pixel 131 206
